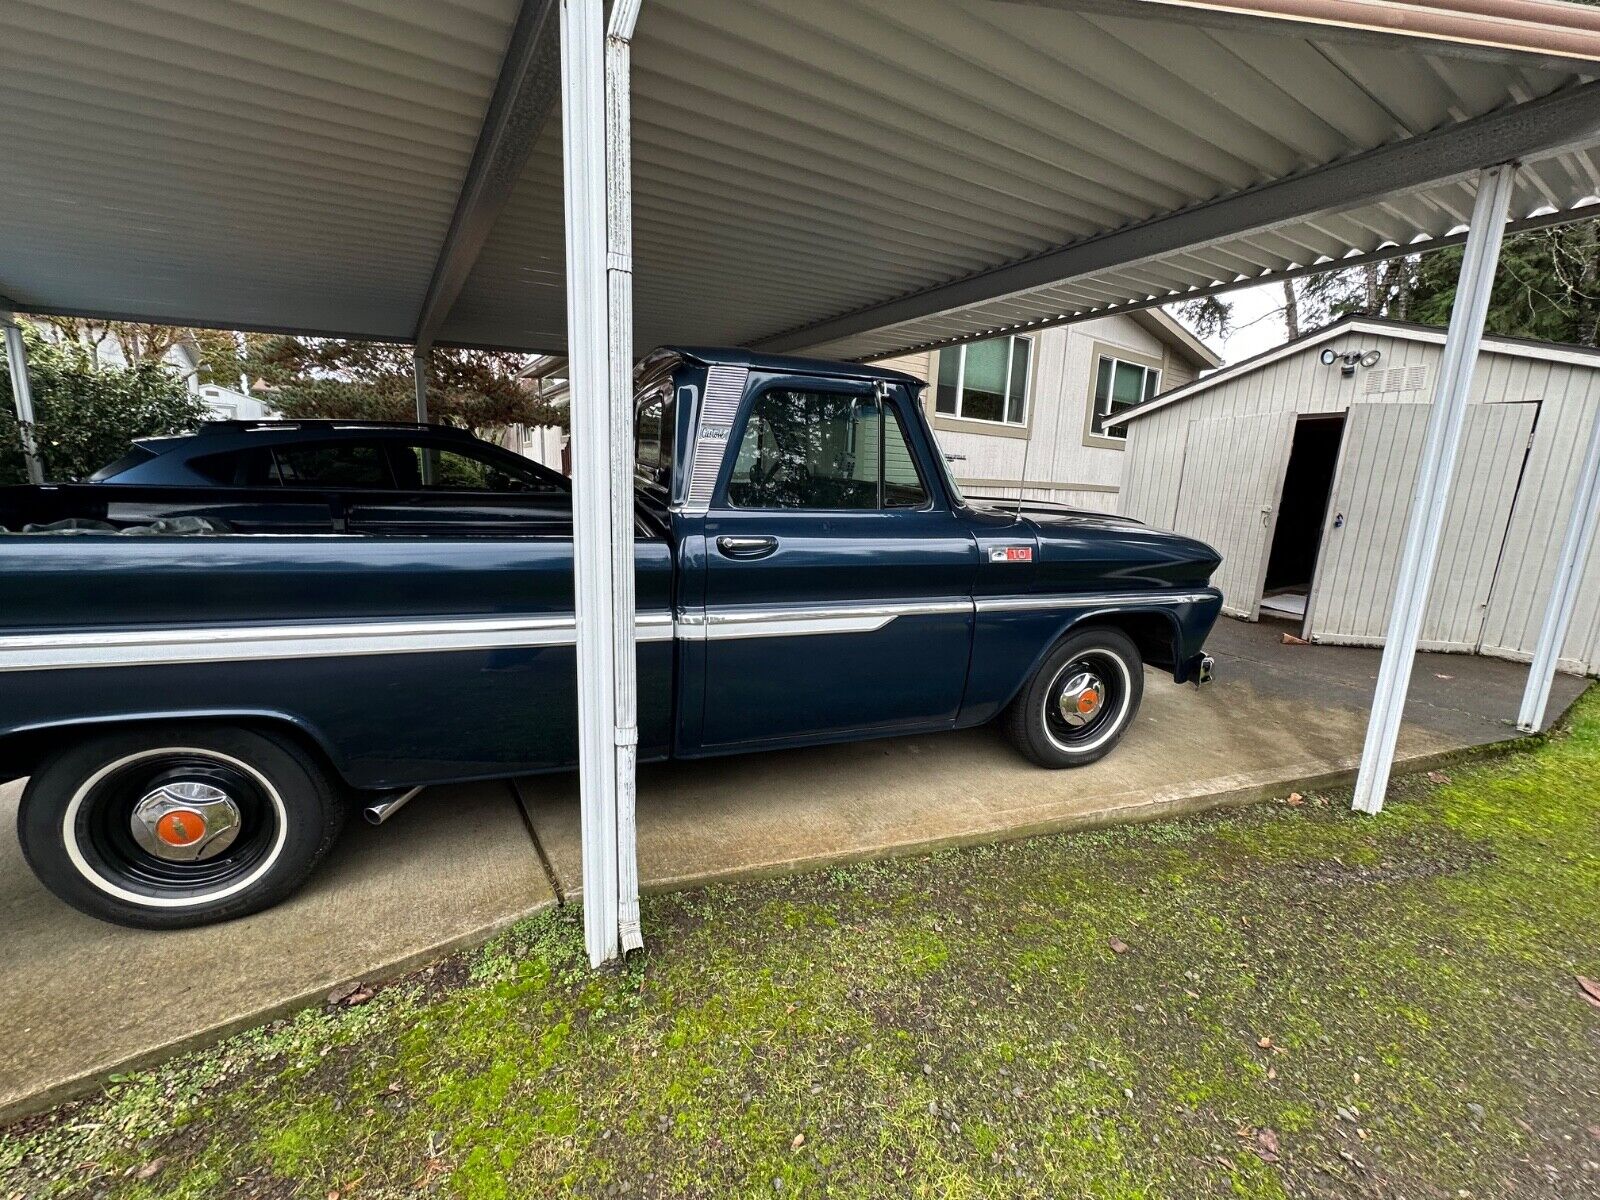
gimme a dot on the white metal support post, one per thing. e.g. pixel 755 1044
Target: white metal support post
pixel 1441 446
pixel 594 120
pixel 423 377
pixel 419 375
pixel 1574 560
pixel 22 396
pixel 619 295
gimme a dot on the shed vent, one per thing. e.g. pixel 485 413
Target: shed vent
pixel 1397 379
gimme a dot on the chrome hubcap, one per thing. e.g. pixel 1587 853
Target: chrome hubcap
pixel 1081 698
pixel 185 821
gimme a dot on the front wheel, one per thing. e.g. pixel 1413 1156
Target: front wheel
pixel 164 827
pixel 1080 701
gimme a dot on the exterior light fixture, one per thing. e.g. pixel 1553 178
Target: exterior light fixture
pixel 1349 360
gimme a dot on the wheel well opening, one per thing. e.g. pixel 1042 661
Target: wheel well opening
pixel 1152 633
pixel 21 753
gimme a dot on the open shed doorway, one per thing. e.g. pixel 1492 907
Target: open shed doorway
pixel 1297 540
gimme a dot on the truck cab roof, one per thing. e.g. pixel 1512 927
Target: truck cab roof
pixel 734 356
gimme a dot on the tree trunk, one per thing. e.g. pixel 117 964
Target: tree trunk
pixel 1291 309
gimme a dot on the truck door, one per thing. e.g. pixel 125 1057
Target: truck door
pixel 838 580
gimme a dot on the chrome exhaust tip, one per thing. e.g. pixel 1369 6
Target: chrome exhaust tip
pixel 380 811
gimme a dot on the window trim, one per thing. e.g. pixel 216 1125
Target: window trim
pixel 1099 351
pixel 1013 427
pixel 730 454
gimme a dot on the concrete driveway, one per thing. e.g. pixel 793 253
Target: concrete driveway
pixel 83 999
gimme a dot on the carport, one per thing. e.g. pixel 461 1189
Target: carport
pixel 851 178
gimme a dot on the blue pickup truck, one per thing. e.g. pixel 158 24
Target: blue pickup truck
pixel 201 681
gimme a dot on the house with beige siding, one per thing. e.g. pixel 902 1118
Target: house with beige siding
pixel 1028 409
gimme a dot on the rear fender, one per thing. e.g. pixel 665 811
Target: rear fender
pixel 24 747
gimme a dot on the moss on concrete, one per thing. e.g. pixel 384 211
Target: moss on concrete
pixel 1287 1000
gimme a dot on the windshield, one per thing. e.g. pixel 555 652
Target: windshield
pixel 957 497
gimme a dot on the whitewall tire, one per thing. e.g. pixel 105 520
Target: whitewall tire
pixel 1080 701
pixel 162 827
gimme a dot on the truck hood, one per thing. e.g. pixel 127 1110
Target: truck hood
pixel 1044 513
pixel 1077 548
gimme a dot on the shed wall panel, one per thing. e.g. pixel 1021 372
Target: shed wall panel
pixel 1353 593
pixel 1538 525
pixel 1232 481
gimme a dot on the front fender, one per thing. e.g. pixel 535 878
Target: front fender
pixel 1009 644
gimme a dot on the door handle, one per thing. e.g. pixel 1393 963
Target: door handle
pixel 747 547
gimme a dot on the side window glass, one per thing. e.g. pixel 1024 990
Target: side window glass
pixel 453 470
pixel 332 465
pixel 219 468
pixel 823 450
pixel 806 450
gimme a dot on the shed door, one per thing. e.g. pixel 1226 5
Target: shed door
pixel 1232 482
pixel 1367 513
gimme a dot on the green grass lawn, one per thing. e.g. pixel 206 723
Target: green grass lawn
pixel 1284 1000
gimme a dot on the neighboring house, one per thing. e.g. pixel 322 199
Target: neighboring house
pixel 228 405
pixel 1298 466
pixel 1039 399
pixel 225 404
pixel 183 359
pixel 545 444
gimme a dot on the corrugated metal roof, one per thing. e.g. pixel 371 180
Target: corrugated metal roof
pixel 269 163
pixel 796 162
pixel 254 162
pixel 1414 220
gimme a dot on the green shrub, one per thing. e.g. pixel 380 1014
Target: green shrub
pixel 87 417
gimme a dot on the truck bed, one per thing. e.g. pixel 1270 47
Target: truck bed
pixel 284 510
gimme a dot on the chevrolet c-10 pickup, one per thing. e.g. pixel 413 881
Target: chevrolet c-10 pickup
pixel 200 682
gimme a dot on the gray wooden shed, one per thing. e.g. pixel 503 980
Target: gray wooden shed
pixel 1299 464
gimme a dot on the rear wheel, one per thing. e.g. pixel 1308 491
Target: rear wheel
pixel 1080 701
pixel 172 826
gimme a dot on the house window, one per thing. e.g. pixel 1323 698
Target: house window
pixel 985 381
pixel 1120 385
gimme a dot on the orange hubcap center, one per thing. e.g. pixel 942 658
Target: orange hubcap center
pixel 1088 701
pixel 181 827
